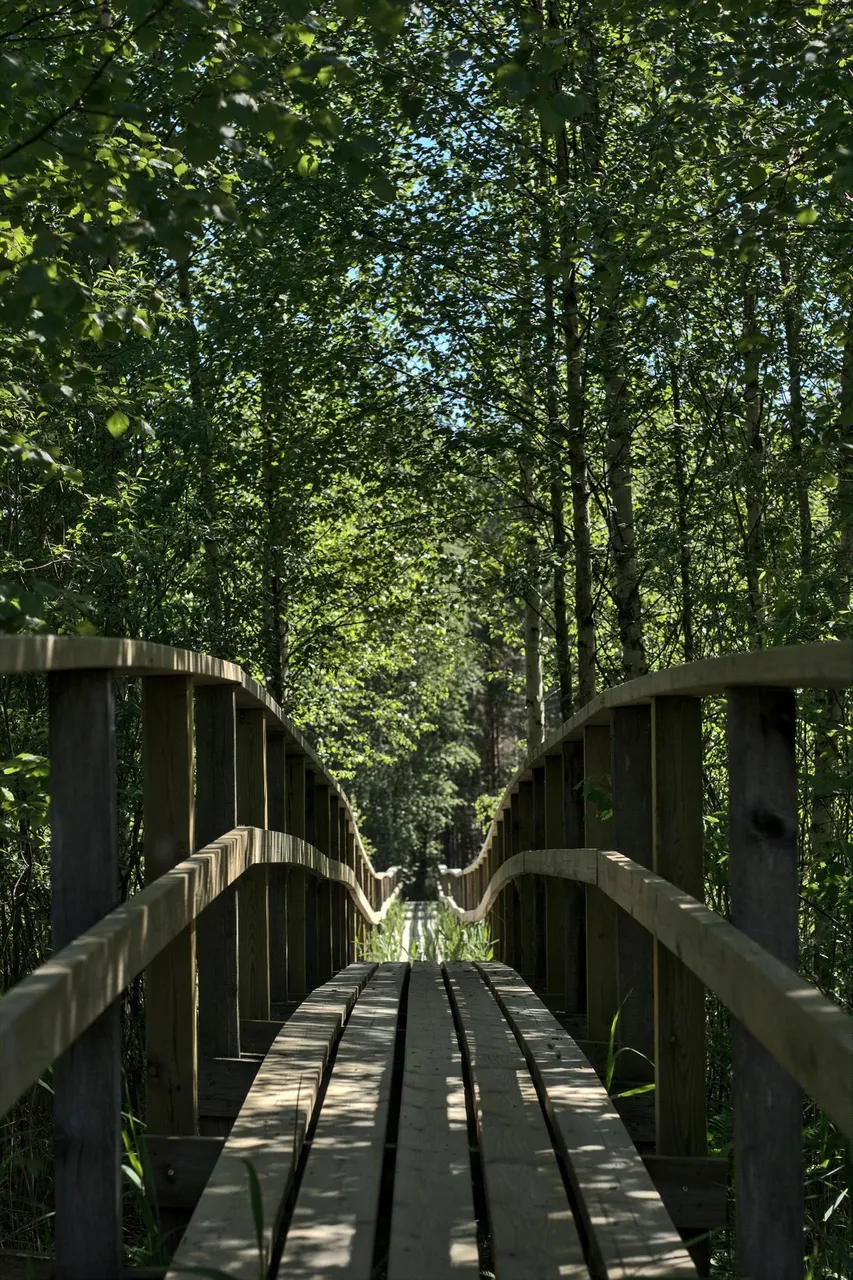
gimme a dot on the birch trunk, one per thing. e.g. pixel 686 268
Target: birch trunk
pixel 681 497
pixel 797 420
pixel 626 581
pixel 753 471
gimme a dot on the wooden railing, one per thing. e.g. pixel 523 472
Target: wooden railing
pixel 605 933
pixel 257 887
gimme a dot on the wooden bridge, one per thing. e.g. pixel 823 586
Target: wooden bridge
pixel 311 1115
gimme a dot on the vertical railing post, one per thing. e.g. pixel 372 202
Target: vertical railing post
pixel 768 1152
pixel 253 888
pixel 574 837
pixel 679 995
pixel 297 986
pixel 602 973
pixel 84 888
pixel 338 892
pixel 513 897
pixel 312 959
pixel 325 966
pixel 277 875
pixel 540 882
pixel 502 904
pixel 216 927
pixel 170 979
pixel 349 910
pixel 526 887
pixel 631 754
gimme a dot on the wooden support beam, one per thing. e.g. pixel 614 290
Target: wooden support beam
pixel 297 985
pixel 602 972
pixel 84 888
pixel 323 841
pixel 338 893
pixel 763 869
pixel 277 876
pixel 253 891
pixel 170 979
pixel 631 752
pixel 527 923
pixel 215 814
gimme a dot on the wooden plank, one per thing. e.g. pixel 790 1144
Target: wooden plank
pixel 84 888
pixel 527 959
pixel 223 1084
pixel 270 1131
pixel 533 1233
pixel 629 1230
pixel 631 770
pixel 334 1220
pixel 215 814
pixel 170 980
pixel 602 957
pixel 253 892
pixel 693 1189
pixel 277 877
pixel 256 1035
pixel 47 1011
pixel 178 1169
pixel 763 824
pixel 679 997
pixel 433 1230
pixel 297 984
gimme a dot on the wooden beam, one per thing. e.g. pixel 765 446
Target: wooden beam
pixel 763 823
pixel 297 984
pixel 215 814
pixel 631 752
pixel 527 922
pixel 277 876
pixel 84 888
pixel 170 980
pixel 253 894
pixel 602 971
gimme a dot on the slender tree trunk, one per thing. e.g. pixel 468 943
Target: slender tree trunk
pixel 207 474
pixel 753 471
pixel 797 420
pixel 684 565
pixel 626 581
pixel 534 693
pixel 274 622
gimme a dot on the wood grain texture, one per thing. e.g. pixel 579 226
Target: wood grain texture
pixel 528 928
pixel 679 998
pixel 534 1236
pixel 297 974
pixel 269 1130
pixel 84 888
pixel 602 957
pixel 47 1011
pixel 631 771
pixel 223 1084
pixel 216 929
pixel 333 1226
pixel 170 980
pixel 277 878
pixel 432 1234
pixel 763 866
pixel 253 891
pixel 178 1169
pixel 630 1231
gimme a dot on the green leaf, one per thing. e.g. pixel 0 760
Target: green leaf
pixel 806 217
pixel 117 423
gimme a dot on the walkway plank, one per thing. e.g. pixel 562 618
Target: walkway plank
pixel 269 1132
pixel 533 1232
pixel 433 1230
pixel 630 1231
pixel 333 1228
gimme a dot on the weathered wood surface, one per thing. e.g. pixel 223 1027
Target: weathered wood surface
pixel 253 890
pixel 602 962
pixel 763 866
pixel 808 1034
pixel 47 1011
pixel 179 1168
pixel 269 1131
pixel 533 1232
pixel 223 1084
pixel 433 1231
pixel 85 887
pixel 333 1227
pixel 629 1229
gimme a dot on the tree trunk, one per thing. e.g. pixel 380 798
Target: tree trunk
pixel 626 581
pixel 681 499
pixel 753 471
pixel 797 421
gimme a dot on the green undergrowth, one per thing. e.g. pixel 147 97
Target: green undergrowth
pixel 443 938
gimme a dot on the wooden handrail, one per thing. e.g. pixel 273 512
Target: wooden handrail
pixel 808 1034
pixel 50 1009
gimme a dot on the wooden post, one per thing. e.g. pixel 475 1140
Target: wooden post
pixel 324 888
pixel 170 979
pixel 768 1155
pixel 338 892
pixel 253 889
pixel 277 875
pixel 216 927
pixel 679 996
pixel 574 837
pixel 502 907
pixel 352 928
pixel 631 733
pixel 602 973
pixel 312 966
pixel 84 888
pixel 556 949
pixel 297 985
pixel 526 887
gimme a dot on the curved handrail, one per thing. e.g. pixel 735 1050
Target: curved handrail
pixel 46 1012
pixel 809 1035
pixel 32 654
pixel 822 665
